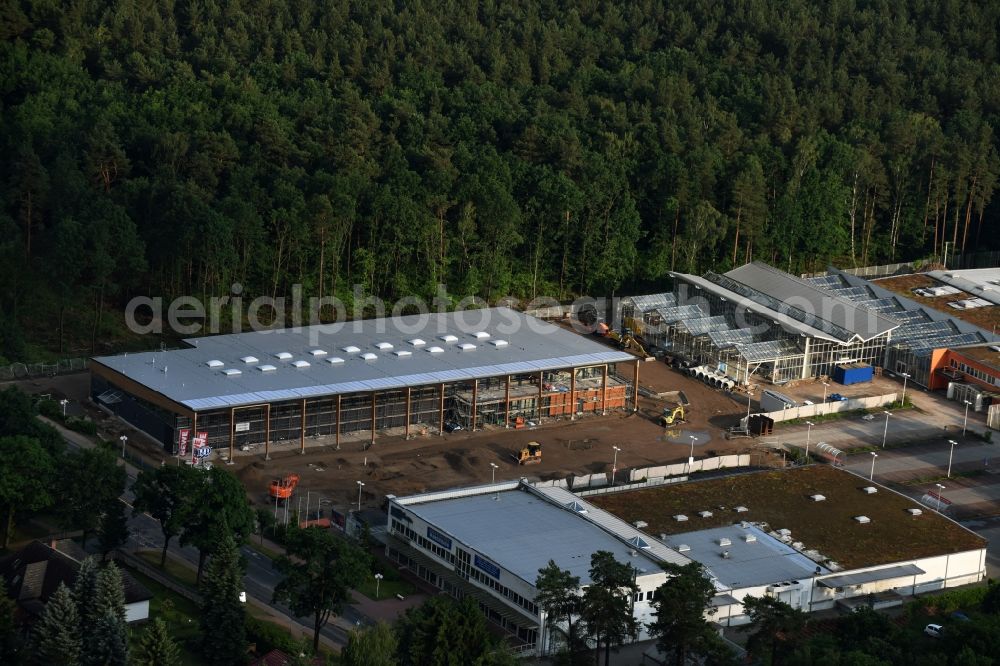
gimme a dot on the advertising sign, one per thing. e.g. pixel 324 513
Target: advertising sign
pixel 438 538
pixel 199 444
pixel 243 426
pixel 487 566
pixel 183 435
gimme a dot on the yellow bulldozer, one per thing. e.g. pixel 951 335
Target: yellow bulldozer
pixel 530 455
pixel 672 416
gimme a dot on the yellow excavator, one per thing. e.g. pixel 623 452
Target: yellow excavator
pixel 626 340
pixel 672 416
pixel 531 454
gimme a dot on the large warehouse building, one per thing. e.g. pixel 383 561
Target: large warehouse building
pixel 281 386
pixel 816 538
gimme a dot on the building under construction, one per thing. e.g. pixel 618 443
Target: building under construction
pixel 420 373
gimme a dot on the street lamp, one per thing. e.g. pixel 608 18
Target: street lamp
pixel 874 456
pixel 123 438
pixel 64 402
pixel 361 485
pixel 493 478
pixel 378 579
pixel 950 454
pixel 614 465
pixel 691 457
pixel 749 393
pixel 905 376
pixel 885 432
pixel 809 427
pixel 940 488
pixel 965 424
pixel 825 387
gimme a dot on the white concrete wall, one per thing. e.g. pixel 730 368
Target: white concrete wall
pixel 137 611
pixel 807 411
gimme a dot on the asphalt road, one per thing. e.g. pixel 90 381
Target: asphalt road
pixel 260 578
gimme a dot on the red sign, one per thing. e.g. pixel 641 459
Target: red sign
pixel 200 441
pixel 183 435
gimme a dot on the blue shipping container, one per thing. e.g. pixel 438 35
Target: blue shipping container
pixel 853 374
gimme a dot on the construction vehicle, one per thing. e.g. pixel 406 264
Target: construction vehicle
pixel 673 416
pixel 626 340
pixel 531 454
pixel 517 422
pixel 283 488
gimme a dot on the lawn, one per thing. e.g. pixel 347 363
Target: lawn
pixel 179 572
pixel 781 499
pixel 180 614
pixel 386 589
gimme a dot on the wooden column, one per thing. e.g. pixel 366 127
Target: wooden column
pixel 302 430
pixel 572 394
pixel 538 406
pixel 373 418
pixel 441 415
pixel 604 390
pixel 232 432
pixel 337 435
pixel 267 431
pixel 635 389
pixel 408 398
pixel 506 402
pixel 475 398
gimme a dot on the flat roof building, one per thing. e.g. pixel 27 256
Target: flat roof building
pixel 283 385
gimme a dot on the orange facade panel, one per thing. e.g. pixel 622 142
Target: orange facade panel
pixel 587 400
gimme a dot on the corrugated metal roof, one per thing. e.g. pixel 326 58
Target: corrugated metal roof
pixel 182 375
pixel 862 577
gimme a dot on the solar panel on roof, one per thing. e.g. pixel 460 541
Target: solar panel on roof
pixel 730 337
pixel 768 350
pixel 825 281
pixel 920 330
pixel 704 325
pixel 677 313
pixel 652 302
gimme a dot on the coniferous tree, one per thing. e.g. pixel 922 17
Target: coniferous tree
pixel 559 595
pixel 110 644
pixel 156 647
pixel 222 613
pixel 55 638
pixel 104 630
pixel 372 646
pixel 85 595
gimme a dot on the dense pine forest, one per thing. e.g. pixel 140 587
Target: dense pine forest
pixel 525 148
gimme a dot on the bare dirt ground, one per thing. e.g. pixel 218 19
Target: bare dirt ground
pixel 396 466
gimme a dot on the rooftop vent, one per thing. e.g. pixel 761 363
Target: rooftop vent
pixel 214 364
pixel 750 538
pixel 368 356
pixel 724 541
pixel 318 352
pixel 480 335
pixel 467 346
pixel 864 520
pixel 300 364
pixel 403 352
pixel 448 338
pixel 724 554
pixel 639 524
pixel 784 531
pixel 576 507
pixel 334 360
pixel 249 359
pixel 705 514
pixel 417 342
pixel 266 368
pixel 639 542
pixel 435 350
pixel 499 343
pixel 683 548
pixel 283 356
pixel 818 498
pixel 680 518
pixel 383 345
pixel 232 372
pixel 869 490
pixel 914 512
pixel 350 349
pixel 741 509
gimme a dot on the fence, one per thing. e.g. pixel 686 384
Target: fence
pixel 643 476
pixel 31 370
pixel 146 569
pixel 807 411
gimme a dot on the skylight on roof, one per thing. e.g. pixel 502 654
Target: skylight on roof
pixel 232 372
pixel 351 349
pixel 403 352
pixel 266 368
pixel 368 356
pixel 318 352
pixel 300 364
pixel 435 350
pixel 480 335
pixel 417 342
pixel 214 364
pixel 467 346
pixel 334 360
pixel 448 338
pixel 383 345
pixel 249 359
pixel 499 343
pixel 283 356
